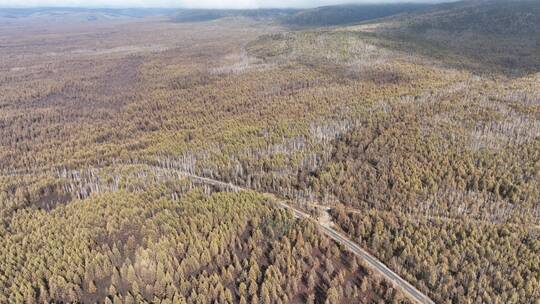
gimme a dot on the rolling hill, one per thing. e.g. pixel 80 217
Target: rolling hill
pixel 482 16
pixel 480 35
pixel 345 14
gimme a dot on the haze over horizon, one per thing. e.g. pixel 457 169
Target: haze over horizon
pixel 217 4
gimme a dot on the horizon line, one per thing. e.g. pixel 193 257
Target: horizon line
pixel 97 7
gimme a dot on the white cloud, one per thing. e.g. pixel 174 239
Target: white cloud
pixel 186 3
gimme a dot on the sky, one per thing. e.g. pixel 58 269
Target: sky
pixel 188 3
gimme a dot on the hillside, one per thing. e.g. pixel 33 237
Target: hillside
pixel 480 35
pixel 313 17
pixel 500 17
pixel 345 14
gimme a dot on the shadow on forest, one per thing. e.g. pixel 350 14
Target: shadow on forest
pixel 505 55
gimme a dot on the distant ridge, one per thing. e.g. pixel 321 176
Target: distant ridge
pixel 481 16
pixel 313 17
pixel 352 13
pixel 482 35
pixel 200 15
pixel 88 13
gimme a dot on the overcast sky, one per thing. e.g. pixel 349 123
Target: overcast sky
pixel 189 3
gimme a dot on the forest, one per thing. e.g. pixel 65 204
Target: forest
pixel 146 247
pixel 145 158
